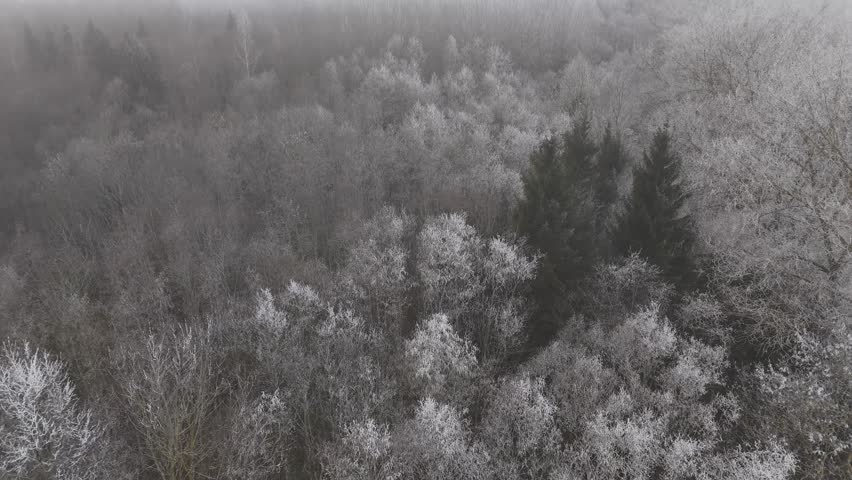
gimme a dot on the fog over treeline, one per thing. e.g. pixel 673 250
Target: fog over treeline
pixel 426 239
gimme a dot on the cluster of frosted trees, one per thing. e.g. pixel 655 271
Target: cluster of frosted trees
pixel 399 370
pixel 282 290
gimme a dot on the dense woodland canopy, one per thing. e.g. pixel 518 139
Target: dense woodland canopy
pixel 437 239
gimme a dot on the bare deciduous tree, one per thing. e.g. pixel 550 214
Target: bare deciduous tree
pixel 247 53
pixel 171 389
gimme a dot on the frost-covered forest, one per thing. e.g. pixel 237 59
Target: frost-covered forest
pixel 426 239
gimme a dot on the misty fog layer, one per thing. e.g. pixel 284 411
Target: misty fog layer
pixel 426 239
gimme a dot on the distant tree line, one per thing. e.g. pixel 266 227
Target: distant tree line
pixel 430 239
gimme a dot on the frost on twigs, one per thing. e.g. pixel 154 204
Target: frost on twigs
pixel 476 283
pixel 43 432
pixel 301 301
pixel 505 265
pixel 438 442
pixel 363 452
pixel 267 314
pixel 808 403
pixel 519 429
pixel 375 274
pixel 436 353
pixel 639 399
pixel 259 439
pixel 622 288
pixel 171 389
pixel 447 252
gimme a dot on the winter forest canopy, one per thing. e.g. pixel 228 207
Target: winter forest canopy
pixel 426 239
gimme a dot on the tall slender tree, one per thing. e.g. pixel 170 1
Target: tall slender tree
pixel 66 48
pixel 141 31
pixel 247 55
pixel 50 51
pixel 655 222
pixel 611 161
pixel 100 54
pixel 578 201
pixel 556 216
pixel 34 49
pixel 140 70
pixel 231 22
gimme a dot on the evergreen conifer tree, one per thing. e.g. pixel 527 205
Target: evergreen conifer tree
pixel 140 70
pixel 141 31
pixel 611 160
pixel 50 53
pixel 654 223
pixel 578 200
pixel 231 23
pixel 556 216
pixel 99 52
pixel 66 47
pixel 34 49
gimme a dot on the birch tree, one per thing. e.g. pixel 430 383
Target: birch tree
pixel 246 51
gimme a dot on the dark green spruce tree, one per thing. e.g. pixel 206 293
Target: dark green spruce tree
pixel 34 49
pixel 611 161
pixel 557 217
pixel 231 23
pixel 66 49
pixel 99 53
pixel 654 222
pixel 141 31
pixel 577 199
pixel 140 70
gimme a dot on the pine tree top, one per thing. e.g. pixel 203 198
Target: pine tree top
pixel 653 222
